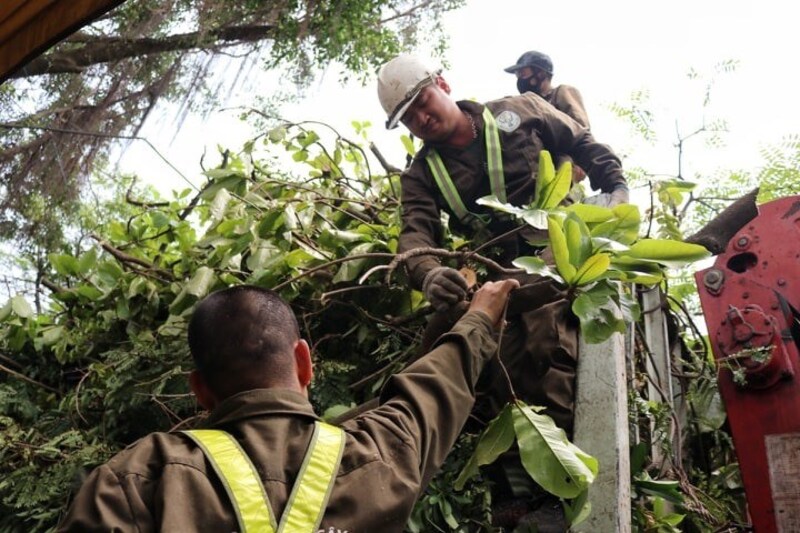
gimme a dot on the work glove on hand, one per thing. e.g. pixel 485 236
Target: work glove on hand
pixel 609 199
pixel 444 287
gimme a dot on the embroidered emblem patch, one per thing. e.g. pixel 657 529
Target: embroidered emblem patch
pixel 507 121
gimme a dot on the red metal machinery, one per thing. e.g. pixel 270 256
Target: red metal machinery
pixel 750 299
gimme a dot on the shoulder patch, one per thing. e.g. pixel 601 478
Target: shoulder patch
pixel 507 121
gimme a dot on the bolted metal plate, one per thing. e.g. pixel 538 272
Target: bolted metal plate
pixel 783 458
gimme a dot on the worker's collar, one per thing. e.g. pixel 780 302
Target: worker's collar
pixel 259 402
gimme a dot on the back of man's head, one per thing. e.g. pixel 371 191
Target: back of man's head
pixel 242 338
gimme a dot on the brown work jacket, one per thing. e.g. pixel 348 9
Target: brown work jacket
pixel 528 124
pixel 568 99
pixel 164 482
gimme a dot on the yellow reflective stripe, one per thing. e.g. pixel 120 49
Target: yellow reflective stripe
pixel 239 477
pixel 311 491
pixel 494 156
pixel 446 185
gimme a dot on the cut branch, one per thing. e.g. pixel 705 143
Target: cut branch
pixel 715 235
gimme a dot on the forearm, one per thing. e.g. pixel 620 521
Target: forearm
pixel 433 397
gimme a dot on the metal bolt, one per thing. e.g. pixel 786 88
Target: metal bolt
pixel 781 282
pixel 745 295
pixel 742 242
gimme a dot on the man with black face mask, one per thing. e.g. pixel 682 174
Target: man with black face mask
pixel 534 71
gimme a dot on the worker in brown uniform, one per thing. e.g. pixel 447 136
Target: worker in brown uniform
pixel 534 71
pixel 472 150
pixel 253 372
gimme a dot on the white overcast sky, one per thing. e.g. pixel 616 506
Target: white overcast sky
pixel 607 49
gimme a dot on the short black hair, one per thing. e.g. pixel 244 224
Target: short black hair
pixel 242 338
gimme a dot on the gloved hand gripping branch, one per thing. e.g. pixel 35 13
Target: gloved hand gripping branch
pixel 444 287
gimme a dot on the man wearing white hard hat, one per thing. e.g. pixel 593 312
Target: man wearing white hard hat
pixel 472 150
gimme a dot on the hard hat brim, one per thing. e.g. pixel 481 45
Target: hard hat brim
pixel 398 113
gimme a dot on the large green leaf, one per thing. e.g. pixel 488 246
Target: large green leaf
pixel 493 202
pixel 558 243
pixel 624 227
pixel 591 214
pixel 350 270
pixel 551 186
pixel 593 269
pixel 667 252
pixel 579 241
pixel 495 440
pixel 556 464
pixel 598 314
pixel 545 175
pixel 578 510
pixel 535 265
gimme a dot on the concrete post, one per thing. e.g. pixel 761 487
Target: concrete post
pixel 601 429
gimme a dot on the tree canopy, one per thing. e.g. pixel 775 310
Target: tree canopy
pixel 65 108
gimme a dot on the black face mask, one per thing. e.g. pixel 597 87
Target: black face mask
pixel 527 84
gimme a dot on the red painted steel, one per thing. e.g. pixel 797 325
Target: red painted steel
pixel 748 300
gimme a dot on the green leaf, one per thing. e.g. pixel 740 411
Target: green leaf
pixel 667 252
pixel 536 218
pixel 219 205
pixel 408 144
pixel 578 510
pixel 201 282
pixel 87 261
pixel 66 265
pixel 624 227
pixel 556 464
pixel 579 241
pixel 593 269
pixel 21 307
pixel 545 176
pixel 598 314
pixel 534 265
pixel 590 214
pixel 666 489
pixel 494 441
pixel 493 202
pixel 350 270
pixel 559 188
pixel 558 243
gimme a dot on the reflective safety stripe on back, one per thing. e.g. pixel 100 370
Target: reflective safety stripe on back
pixel 315 481
pixel 309 498
pixel 494 163
pixel 239 477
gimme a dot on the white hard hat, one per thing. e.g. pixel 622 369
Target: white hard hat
pixel 400 82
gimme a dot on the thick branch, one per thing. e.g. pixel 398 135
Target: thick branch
pixel 105 49
pixel 124 258
pixel 715 235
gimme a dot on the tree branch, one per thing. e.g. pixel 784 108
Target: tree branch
pixel 111 49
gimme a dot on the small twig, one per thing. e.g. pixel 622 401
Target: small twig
pixel 497 354
pixel 374 255
pixel 388 167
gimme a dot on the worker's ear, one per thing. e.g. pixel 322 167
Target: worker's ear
pixel 442 84
pixel 302 358
pixel 205 396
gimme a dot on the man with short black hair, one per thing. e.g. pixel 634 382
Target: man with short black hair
pixel 265 462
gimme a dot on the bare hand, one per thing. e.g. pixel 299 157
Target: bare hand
pixel 492 297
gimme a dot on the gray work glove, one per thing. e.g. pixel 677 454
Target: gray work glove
pixel 444 287
pixel 609 199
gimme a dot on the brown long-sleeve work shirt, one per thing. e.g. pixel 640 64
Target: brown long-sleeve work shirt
pixel 528 125
pixel 165 483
